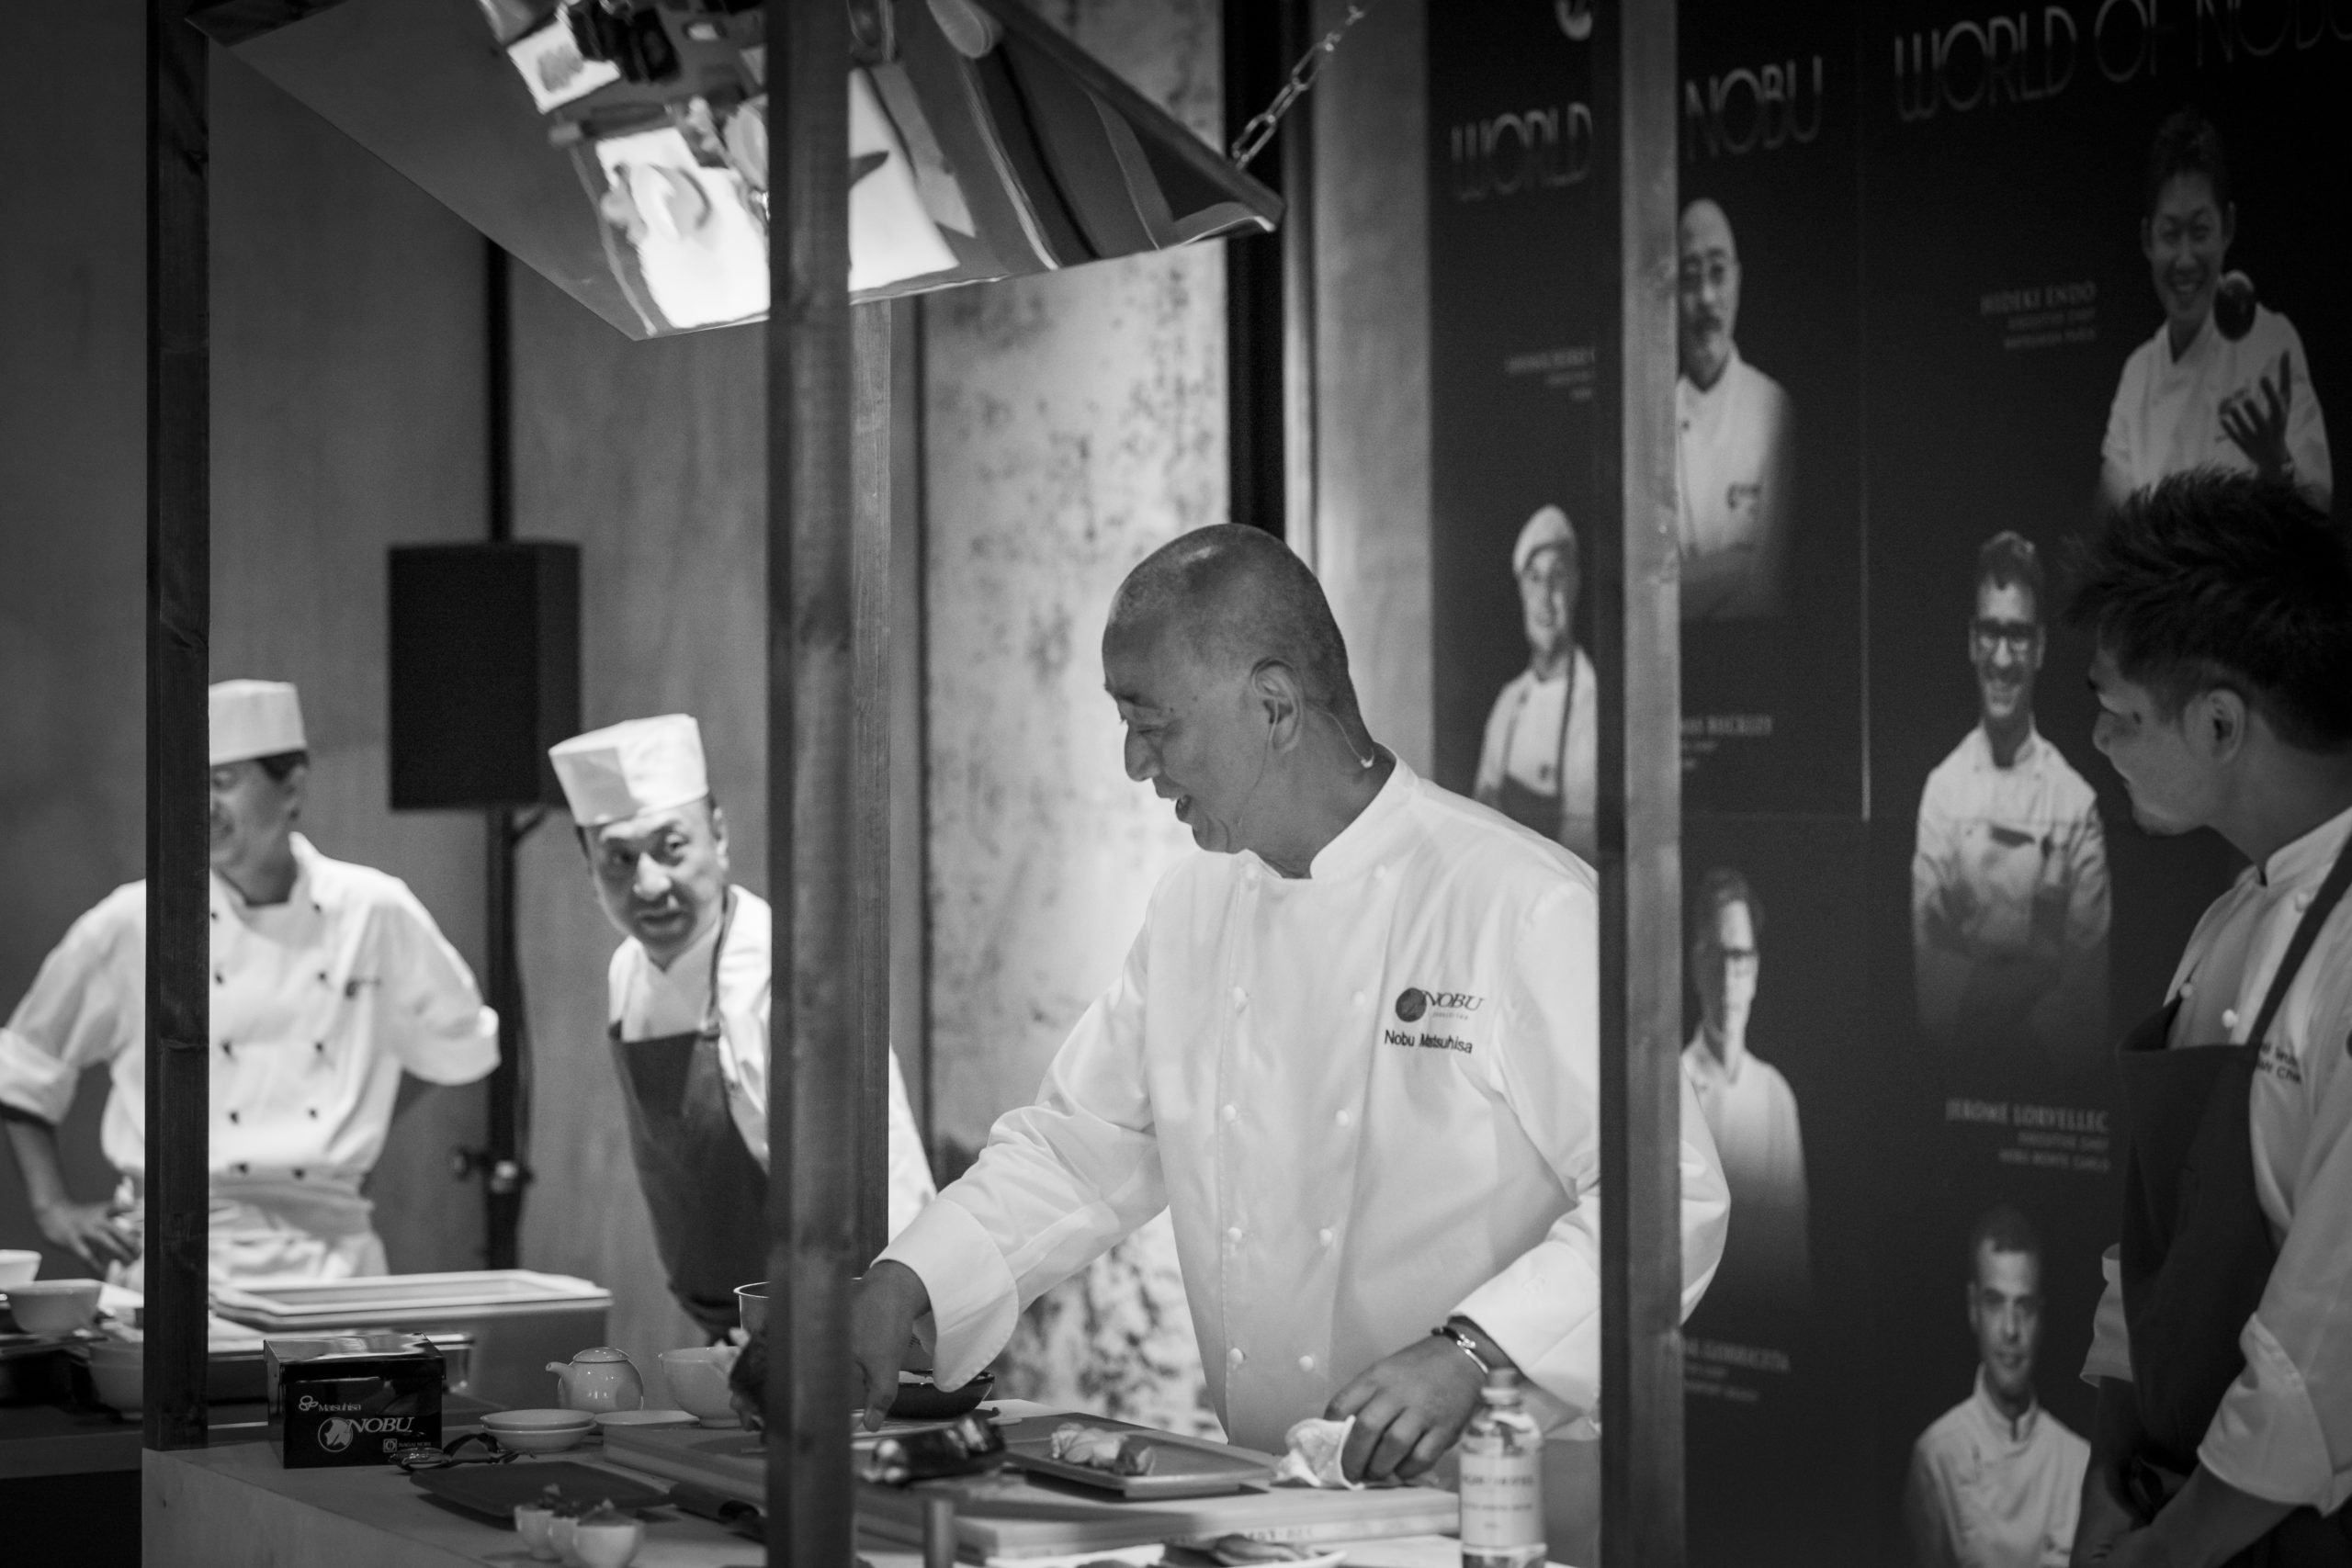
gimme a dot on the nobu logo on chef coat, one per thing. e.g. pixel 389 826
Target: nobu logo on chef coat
pixel 1413 1003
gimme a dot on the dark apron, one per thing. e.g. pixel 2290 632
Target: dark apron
pixel 708 1195
pixel 1531 807
pixel 2197 1250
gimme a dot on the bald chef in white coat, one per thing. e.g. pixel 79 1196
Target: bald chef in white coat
pixel 1354 1052
pixel 1734 438
pixel 329 981
pixel 690 998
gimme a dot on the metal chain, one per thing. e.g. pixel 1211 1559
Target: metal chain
pixel 1261 129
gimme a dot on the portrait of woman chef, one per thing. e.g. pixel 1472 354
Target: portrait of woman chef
pixel 329 981
pixel 1354 1051
pixel 689 1009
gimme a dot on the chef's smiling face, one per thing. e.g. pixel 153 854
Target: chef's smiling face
pixel 2005 644
pixel 1547 601
pixel 2187 240
pixel 661 875
pixel 2005 1308
pixel 252 814
pixel 1195 733
pixel 1709 291
pixel 2176 786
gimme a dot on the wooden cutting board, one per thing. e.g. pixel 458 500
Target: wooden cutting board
pixel 1007 1516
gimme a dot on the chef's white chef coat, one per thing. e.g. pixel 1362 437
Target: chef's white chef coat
pixel 1735 455
pixel 1995 844
pixel 2167 416
pixel 2284 1430
pixel 319 1004
pixel 1543 735
pixel 1752 1115
pixel 1987 1492
pixel 1368 1099
pixel 649 1002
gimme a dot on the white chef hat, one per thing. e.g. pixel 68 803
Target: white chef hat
pixel 254 718
pixel 639 764
pixel 1549 527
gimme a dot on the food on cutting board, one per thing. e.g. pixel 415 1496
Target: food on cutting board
pixel 1239 1549
pixel 1119 1453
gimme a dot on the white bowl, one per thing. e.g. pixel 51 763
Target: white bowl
pixel 532 1522
pixel 698 1382
pixel 538 1431
pixel 17 1267
pixel 607 1545
pixel 120 1380
pixel 53 1306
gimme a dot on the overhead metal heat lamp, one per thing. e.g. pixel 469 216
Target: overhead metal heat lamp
pixel 619 147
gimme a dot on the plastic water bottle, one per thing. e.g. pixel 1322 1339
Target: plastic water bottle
pixel 1502 1480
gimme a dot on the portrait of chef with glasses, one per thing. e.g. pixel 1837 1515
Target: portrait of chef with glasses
pixel 2009 870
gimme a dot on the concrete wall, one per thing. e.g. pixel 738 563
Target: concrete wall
pixel 347 416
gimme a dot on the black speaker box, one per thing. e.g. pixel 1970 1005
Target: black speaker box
pixel 485 671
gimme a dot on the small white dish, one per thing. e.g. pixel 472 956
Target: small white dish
pixel 644 1418
pixel 608 1544
pixel 532 1522
pixel 17 1267
pixel 561 1531
pixel 538 1431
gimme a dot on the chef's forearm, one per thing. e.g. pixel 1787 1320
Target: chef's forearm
pixel 2209 1521
pixel 33 1142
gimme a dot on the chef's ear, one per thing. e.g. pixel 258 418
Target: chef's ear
pixel 717 826
pixel 1275 689
pixel 2220 715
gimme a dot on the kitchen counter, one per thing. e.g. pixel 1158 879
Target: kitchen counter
pixel 231 1505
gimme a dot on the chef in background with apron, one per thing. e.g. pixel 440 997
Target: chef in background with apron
pixel 1540 758
pixel 331 984
pixel 690 1001
pixel 2223 1351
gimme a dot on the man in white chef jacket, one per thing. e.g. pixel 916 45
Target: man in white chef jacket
pixel 2008 867
pixel 1749 1108
pixel 690 998
pixel 1354 1052
pixel 1734 441
pixel 2207 389
pixel 1997 1480
pixel 330 982
pixel 2222 609
pixel 1538 763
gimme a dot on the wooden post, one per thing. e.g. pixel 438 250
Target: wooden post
pixel 1641 798
pixel 1297 148
pixel 815 1070
pixel 179 617
pixel 870 464
pixel 1270 287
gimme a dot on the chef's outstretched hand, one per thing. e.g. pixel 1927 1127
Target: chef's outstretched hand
pixel 881 1327
pixel 1409 1409
pixel 89 1231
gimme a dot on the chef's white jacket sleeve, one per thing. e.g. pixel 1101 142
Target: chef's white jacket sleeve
pixel 2111 1352
pixel 910 1187
pixel 1060 1181
pixel 1488 785
pixel 2284 1430
pixel 2307 429
pixel 2086 896
pixel 1545 1308
pixel 429 1011
pixel 87 1006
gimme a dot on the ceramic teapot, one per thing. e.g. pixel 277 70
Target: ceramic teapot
pixel 600 1379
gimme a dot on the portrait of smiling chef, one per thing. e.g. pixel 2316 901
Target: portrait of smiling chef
pixel 331 984
pixel 690 1001
pixel 1354 1052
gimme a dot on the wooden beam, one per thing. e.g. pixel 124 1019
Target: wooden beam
pixel 1641 773
pixel 870 466
pixel 815 1070
pixel 179 624
pixel 1296 149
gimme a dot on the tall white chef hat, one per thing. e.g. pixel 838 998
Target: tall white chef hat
pixel 638 764
pixel 254 718
pixel 1549 527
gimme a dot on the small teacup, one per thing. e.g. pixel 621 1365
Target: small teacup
pixel 532 1522
pixel 698 1382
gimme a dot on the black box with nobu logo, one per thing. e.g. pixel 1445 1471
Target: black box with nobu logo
pixel 339 1400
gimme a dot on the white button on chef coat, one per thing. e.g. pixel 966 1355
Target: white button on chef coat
pixel 648 1002
pixel 1470 1186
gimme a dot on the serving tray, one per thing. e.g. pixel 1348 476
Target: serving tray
pixel 492 1491
pixel 1178 1470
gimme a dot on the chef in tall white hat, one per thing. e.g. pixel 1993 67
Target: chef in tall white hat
pixel 1538 764
pixel 330 983
pixel 689 1009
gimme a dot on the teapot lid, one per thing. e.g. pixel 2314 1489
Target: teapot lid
pixel 601 1353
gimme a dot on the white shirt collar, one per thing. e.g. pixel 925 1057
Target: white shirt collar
pixel 2020 1431
pixel 2027 749
pixel 1362 842
pixel 304 889
pixel 2309 856
pixel 1703 1056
